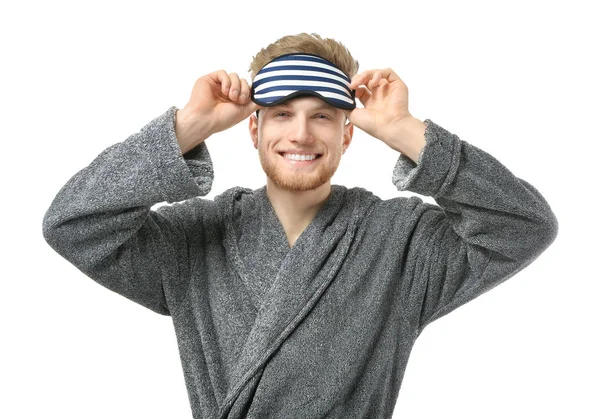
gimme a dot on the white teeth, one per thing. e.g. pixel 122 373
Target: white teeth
pixel 300 157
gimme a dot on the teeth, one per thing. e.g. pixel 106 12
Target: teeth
pixel 300 157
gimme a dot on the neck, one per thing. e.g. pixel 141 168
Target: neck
pixel 294 209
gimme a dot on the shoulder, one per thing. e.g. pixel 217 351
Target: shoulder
pixel 403 212
pixel 395 204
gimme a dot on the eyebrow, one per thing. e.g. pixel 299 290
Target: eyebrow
pixel 319 107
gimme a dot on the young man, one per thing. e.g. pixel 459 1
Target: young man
pixel 300 299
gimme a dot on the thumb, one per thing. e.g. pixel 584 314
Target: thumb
pixel 244 110
pixel 361 118
pixel 251 107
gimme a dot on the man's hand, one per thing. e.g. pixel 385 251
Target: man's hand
pixel 218 101
pixel 385 114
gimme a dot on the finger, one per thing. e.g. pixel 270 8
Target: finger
pixel 379 87
pixel 363 94
pixel 375 76
pixel 222 78
pixel 360 79
pixel 244 91
pixel 234 89
pixel 372 84
pixel 389 75
pixel 375 79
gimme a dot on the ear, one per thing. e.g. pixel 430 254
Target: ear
pixel 348 133
pixel 253 129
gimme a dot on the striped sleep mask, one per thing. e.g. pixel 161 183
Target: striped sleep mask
pixel 293 75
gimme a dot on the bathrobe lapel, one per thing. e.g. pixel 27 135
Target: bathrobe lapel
pixel 304 274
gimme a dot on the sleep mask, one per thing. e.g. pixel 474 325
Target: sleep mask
pixel 294 75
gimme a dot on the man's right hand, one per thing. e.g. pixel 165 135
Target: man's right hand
pixel 218 101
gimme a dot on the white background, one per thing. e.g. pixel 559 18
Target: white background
pixel 518 79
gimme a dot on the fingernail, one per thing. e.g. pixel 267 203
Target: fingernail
pixel 243 96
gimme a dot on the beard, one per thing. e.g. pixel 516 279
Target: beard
pixel 291 179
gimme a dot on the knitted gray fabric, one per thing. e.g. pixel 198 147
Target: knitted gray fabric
pixel 323 329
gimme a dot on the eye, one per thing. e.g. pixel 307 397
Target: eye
pixel 323 116
pixel 280 114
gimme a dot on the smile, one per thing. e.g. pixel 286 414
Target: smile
pixel 300 157
pixel 300 160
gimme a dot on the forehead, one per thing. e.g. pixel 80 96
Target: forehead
pixel 308 103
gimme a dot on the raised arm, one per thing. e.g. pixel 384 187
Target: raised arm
pixel 101 220
pixel 488 226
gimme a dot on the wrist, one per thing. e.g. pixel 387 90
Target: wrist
pixel 409 137
pixel 189 131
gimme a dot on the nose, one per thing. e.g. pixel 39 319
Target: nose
pixel 300 130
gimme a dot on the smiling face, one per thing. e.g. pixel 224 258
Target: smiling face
pixel 300 143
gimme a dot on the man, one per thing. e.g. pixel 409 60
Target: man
pixel 300 299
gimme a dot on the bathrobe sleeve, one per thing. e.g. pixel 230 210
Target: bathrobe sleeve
pixel 101 220
pixel 488 226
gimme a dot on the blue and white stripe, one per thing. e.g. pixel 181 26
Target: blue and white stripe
pixel 294 75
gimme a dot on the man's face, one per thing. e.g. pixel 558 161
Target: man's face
pixel 305 128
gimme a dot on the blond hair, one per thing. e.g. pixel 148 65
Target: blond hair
pixel 330 49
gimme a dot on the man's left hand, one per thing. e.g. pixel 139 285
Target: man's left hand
pixel 385 113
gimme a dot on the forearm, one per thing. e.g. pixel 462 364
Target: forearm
pixel 488 226
pixel 189 132
pixel 101 219
pixel 410 138
pixel 487 204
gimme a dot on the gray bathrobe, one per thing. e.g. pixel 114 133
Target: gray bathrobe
pixel 323 329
